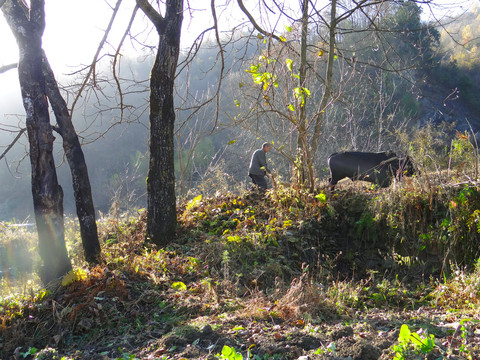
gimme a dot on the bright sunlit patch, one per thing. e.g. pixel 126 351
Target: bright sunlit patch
pixel 17 260
pixel 74 275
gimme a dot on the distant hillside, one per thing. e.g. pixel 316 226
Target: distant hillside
pixel 450 88
pixel 440 102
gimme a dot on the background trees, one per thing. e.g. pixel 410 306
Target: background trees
pixel 388 74
pixel 315 74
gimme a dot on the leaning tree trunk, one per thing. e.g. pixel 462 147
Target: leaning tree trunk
pixel 162 217
pixel 78 167
pixel 47 193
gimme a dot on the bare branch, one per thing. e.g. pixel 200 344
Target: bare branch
pixel 20 133
pixel 192 52
pixel 221 51
pixel 117 54
pixel 442 25
pixel 5 68
pixel 254 23
pixel 95 58
pixel 157 19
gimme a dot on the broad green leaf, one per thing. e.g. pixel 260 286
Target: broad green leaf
pixel 321 197
pixel 257 79
pixel 179 286
pixel 404 335
pixel 289 64
pixel 229 353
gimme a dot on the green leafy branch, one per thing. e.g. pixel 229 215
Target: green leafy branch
pixel 260 77
pixel 408 339
pixel 300 93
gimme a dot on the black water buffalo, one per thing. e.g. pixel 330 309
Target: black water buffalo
pixel 379 168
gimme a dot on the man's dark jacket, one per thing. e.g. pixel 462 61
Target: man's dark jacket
pixel 258 164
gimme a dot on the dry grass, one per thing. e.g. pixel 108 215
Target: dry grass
pixel 290 257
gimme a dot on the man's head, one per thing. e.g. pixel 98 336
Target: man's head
pixel 266 147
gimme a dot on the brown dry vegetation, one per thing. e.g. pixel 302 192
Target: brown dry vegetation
pixel 286 275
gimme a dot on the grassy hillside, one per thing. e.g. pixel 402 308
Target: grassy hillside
pixel 363 272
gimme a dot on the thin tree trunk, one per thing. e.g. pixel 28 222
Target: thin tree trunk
pixel 47 193
pixel 78 167
pixel 328 78
pixel 302 140
pixel 162 217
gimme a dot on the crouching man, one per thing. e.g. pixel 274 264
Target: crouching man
pixel 258 166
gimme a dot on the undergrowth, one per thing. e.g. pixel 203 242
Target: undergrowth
pixel 263 265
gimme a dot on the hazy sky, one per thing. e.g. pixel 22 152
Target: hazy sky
pixel 74 29
pixel 72 34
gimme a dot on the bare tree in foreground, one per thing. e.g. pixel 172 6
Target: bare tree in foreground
pixel 78 167
pixel 47 193
pixel 38 83
pixel 162 216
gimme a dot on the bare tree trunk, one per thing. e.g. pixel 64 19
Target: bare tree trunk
pixel 328 78
pixel 162 217
pixel 302 139
pixel 78 167
pixel 308 157
pixel 47 194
